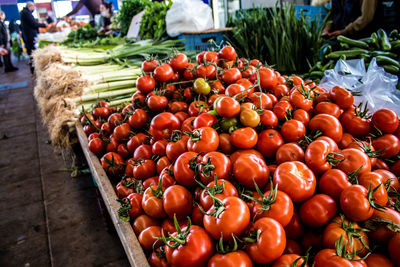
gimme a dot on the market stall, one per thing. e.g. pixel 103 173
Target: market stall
pixel 225 157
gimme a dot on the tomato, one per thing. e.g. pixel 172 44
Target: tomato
pixel 211 57
pixel 355 122
pixel 292 247
pixel 159 147
pixel 222 189
pixel 148 238
pixel 136 141
pixel 342 97
pixel 162 163
pixel 145 84
pixel 295 179
pixel 217 88
pixel 138 100
pixel 289 260
pixel 235 90
pixel 179 62
pixel 261 100
pixel 101 113
pixel 385 120
pixel 273 204
pixel 194 249
pixel 250 169
pixel 201 86
pixel 355 203
pixel 187 125
pixel 268 119
pixel 289 152
pixel 157 103
pixel 189 71
pixel 293 130
pixel 105 129
pixel 204 139
pixel 231 75
pixel 353 235
pixel 123 151
pixel 268 79
pixel 144 169
pixel 197 107
pixel 302 98
pixel 318 210
pixel 142 152
pixel 138 119
pixel 354 159
pixel 380 225
pixel 168 225
pixel 244 138
pixel 246 84
pixel 207 72
pixel 182 116
pixel 295 228
pixel 112 146
pixel 268 142
pixel 378 260
pixel 122 132
pixel 163 124
pixel 281 109
pixel 375 180
pixel 389 143
pixel 394 249
pixel 174 149
pixel 152 202
pixel 328 125
pixel 333 182
pixel 328 108
pixel 184 169
pixel 272 238
pixel 249 118
pixel 214 164
pixel 96 145
pixel 329 257
pixel 157 259
pixel 130 206
pixel 163 73
pixel 197 215
pixel 177 201
pixel 200 58
pixel 320 156
pixel 115 119
pixel 225 145
pixel 112 163
pixel 231 259
pixel 142 222
pixel 149 65
pixel 280 90
pixel 228 107
pixel 387 175
pixel 302 116
pixel 125 187
pixel 204 120
pixel 228 53
pixel 227 217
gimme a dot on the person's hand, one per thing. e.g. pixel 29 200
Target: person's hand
pixel 335 34
pixel 45 23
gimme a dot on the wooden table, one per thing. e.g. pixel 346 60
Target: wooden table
pixel 131 245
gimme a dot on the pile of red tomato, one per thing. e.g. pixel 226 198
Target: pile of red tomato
pixel 228 163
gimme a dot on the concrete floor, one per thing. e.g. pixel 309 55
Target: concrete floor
pixel 47 218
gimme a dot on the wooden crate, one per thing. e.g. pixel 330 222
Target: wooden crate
pixel 131 245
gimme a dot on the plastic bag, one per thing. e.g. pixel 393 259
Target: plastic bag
pixel 188 16
pixel 376 86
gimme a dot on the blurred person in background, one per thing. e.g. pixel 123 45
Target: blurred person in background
pixel 5 44
pixel 93 6
pixel 105 18
pixel 29 28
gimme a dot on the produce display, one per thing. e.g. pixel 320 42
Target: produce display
pixel 70 79
pixel 380 45
pixel 152 25
pixel 83 34
pixel 225 162
pixel 285 41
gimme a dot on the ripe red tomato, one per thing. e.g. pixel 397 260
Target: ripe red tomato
pixel 163 124
pixel 231 75
pixel 289 152
pixel 268 79
pixel 290 260
pixel 227 107
pixel 249 169
pixel 96 145
pixel 272 239
pixel 149 65
pixel 144 169
pixel 375 180
pixel 302 98
pixel 329 257
pixel 319 156
pixel 184 169
pixel 232 219
pixel 214 164
pixel 174 149
pixel 204 120
pixel 163 73
pixel 244 138
pixel 318 210
pixel 177 201
pixel 378 260
pixel 268 142
pixel 333 182
pixel 231 259
pixel 207 72
pixel 385 120
pixel 355 204
pixel 328 108
pixel 389 143
pixel 379 232
pixel 152 202
pixel 223 189
pixel 328 125
pixel 281 109
pixel 228 53
pixel 142 222
pixel 131 206
pixel 179 62
pixel 148 238
pixel 268 119
pixel 225 145
pixel 112 163
pixel 342 97
pixel 138 119
pixel 355 122
pixel 211 57
pixel 122 132
pixel 295 179
pixel 354 159
pixel 157 103
pixel 145 84
pixel 204 139
pixel 293 130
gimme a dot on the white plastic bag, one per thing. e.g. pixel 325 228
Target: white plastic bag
pixel 188 16
pixel 376 86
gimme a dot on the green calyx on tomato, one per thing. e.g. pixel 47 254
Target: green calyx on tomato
pixel 180 238
pixel 124 209
pixel 253 236
pixel 362 111
pixel 175 136
pixel 341 251
pixel 194 136
pixel 332 158
pixel 216 189
pixel 225 248
pixel 158 193
pixel 353 232
pixel 208 167
pixel 371 199
pixel 368 148
pixel 265 202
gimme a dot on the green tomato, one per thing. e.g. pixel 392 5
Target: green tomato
pixel 201 87
pixel 228 124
